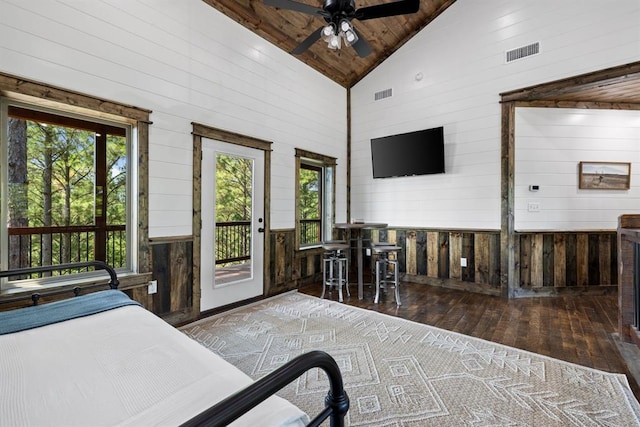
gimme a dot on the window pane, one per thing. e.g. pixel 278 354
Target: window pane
pixel 315 192
pixel 328 193
pixel 60 175
pixel 310 206
pixel 116 200
pixel 67 195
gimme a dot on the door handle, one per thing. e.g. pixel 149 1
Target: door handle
pixel 260 230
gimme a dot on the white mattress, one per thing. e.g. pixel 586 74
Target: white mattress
pixel 120 367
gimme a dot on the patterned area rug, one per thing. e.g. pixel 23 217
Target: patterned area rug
pixel 402 373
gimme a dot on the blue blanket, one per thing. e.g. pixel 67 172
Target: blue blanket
pixel 59 311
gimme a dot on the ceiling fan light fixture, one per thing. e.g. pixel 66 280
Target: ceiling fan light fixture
pixel 347 33
pixel 328 32
pixel 345 26
pixel 338 15
pixel 334 42
pixel 350 37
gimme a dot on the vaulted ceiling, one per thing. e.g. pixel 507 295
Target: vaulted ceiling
pixel 288 28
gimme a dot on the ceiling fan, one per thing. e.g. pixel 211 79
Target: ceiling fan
pixel 338 15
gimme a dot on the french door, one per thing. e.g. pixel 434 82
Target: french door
pixel 232 243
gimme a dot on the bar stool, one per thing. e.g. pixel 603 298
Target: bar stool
pixel 335 267
pixel 374 257
pixel 384 276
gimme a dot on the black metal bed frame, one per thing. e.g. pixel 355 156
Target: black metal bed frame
pixel 228 410
pixel 35 297
pixel 234 406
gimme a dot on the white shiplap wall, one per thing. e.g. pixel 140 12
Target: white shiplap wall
pixel 550 145
pixel 461 56
pixel 187 63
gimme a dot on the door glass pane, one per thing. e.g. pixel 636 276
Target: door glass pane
pixel 233 210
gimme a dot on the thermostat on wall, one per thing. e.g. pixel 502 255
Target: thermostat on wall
pixel 534 187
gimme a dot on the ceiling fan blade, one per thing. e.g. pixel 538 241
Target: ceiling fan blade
pixel 306 43
pixel 294 5
pixel 361 46
pixel 402 7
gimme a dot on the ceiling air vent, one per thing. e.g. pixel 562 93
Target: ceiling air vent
pixel 382 94
pixel 523 52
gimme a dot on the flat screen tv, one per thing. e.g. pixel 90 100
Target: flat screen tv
pixel 414 153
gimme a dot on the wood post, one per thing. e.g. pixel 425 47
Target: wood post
pixel 628 237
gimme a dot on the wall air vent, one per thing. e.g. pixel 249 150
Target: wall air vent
pixel 523 52
pixel 382 94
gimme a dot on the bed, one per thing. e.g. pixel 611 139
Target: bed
pixel 102 359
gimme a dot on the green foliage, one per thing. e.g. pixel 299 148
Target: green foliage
pixel 309 202
pixel 233 188
pixel 61 192
pixel 116 180
pixel 234 195
pixel 60 171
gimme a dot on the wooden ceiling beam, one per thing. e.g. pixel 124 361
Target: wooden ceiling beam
pixel 615 77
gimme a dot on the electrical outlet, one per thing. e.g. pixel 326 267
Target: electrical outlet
pixel 463 262
pixel 533 207
pixel 152 287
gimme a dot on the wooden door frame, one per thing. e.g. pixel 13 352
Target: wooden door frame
pixel 200 131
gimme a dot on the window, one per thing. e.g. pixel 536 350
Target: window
pixel 66 195
pixel 314 198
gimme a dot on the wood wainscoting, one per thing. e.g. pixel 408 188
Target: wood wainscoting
pixel 173 268
pixel 547 263
pixel 172 264
pixel 577 262
pixel 289 267
pixel 429 256
pixel 437 257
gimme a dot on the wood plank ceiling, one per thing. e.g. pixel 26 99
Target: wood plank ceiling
pixel 617 86
pixel 286 29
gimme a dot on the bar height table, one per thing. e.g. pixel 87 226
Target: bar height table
pixel 357 228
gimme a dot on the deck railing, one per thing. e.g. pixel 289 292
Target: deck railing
pixel 233 242
pixel 310 231
pixel 233 239
pixel 38 246
pixel 44 246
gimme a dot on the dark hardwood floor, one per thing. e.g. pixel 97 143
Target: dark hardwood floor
pixel 578 329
